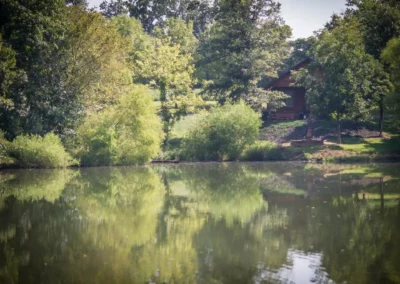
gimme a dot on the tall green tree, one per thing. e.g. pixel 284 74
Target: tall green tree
pixel 247 42
pixel 300 49
pixel 73 60
pixel 35 30
pixel 379 22
pixel 344 80
pixel 178 32
pixel 391 56
pixel 9 73
pixel 97 59
pixel 114 8
pixel 153 13
pixel 164 63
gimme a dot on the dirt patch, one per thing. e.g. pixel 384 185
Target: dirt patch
pixel 284 132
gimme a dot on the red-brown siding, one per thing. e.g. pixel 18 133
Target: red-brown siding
pixel 285 84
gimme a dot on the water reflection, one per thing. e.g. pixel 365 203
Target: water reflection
pixel 206 223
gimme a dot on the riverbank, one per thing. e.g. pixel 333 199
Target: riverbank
pixel 359 145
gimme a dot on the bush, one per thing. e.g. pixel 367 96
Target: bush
pixel 128 133
pixel 34 151
pixel 222 134
pixel 5 159
pixel 261 151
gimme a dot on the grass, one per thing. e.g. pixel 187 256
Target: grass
pixel 282 125
pixel 372 145
pixel 183 126
pixel 351 150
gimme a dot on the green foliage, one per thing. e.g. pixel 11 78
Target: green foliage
pixel 179 33
pixel 97 67
pixel 34 151
pixel 72 61
pixel 5 159
pixel 128 133
pixel 246 43
pixel 9 74
pixel 343 81
pixel 261 151
pixel 154 13
pixel 379 22
pixel 113 8
pixel 223 134
pixel 391 56
pixel 300 49
pixel 165 62
pixel 36 31
pixel 38 184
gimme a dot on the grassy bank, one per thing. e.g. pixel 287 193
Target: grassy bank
pixel 274 143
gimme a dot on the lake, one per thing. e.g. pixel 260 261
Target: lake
pixel 202 223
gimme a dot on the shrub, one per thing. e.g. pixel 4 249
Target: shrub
pixel 5 159
pixel 222 134
pixel 261 151
pixel 34 151
pixel 128 133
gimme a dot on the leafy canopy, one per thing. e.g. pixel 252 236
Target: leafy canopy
pixel 343 81
pixel 223 134
pixel 246 43
pixel 127 133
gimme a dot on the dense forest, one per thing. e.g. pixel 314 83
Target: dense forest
pixel 83 86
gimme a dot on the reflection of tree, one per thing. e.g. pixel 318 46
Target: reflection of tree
pixel 227 191
pixel 120 208
pixel 352 236
pixel 205 223
pixel 231 253
pixel 34 185
pixel 87 236
pixel 238 233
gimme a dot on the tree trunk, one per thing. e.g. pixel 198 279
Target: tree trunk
pixel 165 114
pixel 338 133
pixel 382 195
pixel 381 117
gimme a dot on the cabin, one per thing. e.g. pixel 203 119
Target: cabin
pixel 296 107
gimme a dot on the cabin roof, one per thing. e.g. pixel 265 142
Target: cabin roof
pixel 287 72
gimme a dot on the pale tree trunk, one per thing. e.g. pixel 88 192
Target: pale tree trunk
pixel 381 116
pixel 382 195
pixel 338 132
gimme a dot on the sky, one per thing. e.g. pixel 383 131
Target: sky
pixel 303 16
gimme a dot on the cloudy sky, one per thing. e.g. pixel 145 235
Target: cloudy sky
pixel 304 16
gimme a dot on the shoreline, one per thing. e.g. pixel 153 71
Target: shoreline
pixel 326 160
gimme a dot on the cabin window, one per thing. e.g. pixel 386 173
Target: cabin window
pixel 289 101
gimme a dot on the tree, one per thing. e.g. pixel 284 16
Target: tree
pixel 391 56
pixel 127 133
pixel 154 13
pixel 35 30
pixel 223 134
pixel 381 87
pixel 114 8
pixel 164 64
pixel 379 22
pixel 97 59
pixel 9 73
pixel 246 43
pixel 300 49
pixel 343 79
pixel 82 3
pixel 179 33
pixel 73 61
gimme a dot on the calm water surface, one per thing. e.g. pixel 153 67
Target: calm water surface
pixel 205 223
